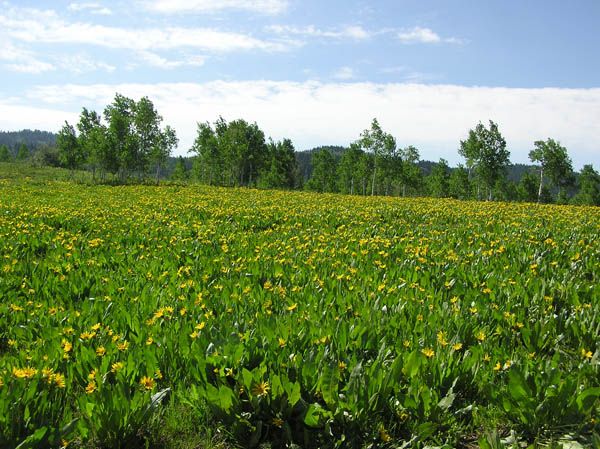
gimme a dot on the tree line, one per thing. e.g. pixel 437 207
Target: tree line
pixel 375 165
pixel 126 141
pixel 129 143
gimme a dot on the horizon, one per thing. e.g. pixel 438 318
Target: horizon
pixel 315 73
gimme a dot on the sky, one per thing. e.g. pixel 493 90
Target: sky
pixel 316 72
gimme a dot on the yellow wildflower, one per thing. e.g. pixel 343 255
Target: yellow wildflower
pixel 428 352
pixel 147 382
pixel 261 389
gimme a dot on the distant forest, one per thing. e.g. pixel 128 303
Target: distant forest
pixel 128 144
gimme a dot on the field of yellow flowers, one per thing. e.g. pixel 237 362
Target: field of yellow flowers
pixel 319 320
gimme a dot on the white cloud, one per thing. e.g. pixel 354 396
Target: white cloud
pixel 81 63
pixel 355 32
pixel 21 60
pixel 269 7
pixel 155 60
pixel 418 35
pixel 432 117
pixel 93 8
pixel 344 73
pixel 35 26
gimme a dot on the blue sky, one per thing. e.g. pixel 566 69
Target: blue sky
pixel 315 71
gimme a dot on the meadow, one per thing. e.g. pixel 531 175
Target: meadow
pixel 279 318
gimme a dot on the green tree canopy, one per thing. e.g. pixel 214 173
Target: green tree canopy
pixel 69 151
pixel 22 152
pixel 554 162
pixel 485 153
pixel 380 144
pixel 589 187
pixel 5 155
pixel 323 175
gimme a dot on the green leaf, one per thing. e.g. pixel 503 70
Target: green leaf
pixel 517 386
pixel 34 439
pixel 293 392
pixel 329 385
pixel 586 399
pixel 446 402
pixel 313 415
pixel 412 364
pixel 426 430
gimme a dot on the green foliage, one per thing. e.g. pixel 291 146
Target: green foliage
pixel 589 187
pixel 459 186
pixel 282 171
pixel 439 180
pixel 348 170
pixel 236 154
pixel 486 154
pixel 323 177
pixel 180 172
pixel 5 155
pixel 527 189
pixel 22 153
pixel 69 151
pixel 555 163
pixel 381 145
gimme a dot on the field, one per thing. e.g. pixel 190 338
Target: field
pixel 288 317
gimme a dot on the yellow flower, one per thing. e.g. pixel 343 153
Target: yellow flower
pixel 586 354
pixel 123 346
pixel 341 365
pixel 428 352
pixel 67 346
pixel 278 422
pixel 441 338
pixel 149 341
pixel 497 367
pixel 147 382
pixel 24 373
pixel 384 435
pixel 59 380
pixel 261 389
pixel 116 367
pixel 100 351
pixel 281 342
pixel 292 307
pixel 457 346
pixel 158 374
pixel 87 335
pixel 91 387
pixel 480 336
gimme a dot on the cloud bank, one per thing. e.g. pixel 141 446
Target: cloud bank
pixel 432 117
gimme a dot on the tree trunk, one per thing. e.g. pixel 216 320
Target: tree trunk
pixel 541 184
pixel 157 173
pixel 373 184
